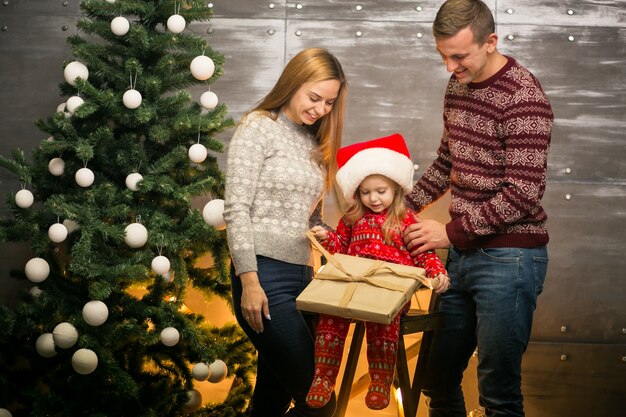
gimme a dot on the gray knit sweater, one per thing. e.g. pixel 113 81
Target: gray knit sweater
pixel 273 191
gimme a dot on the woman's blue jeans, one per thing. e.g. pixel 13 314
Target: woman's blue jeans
pixel 285 347
pixel 489 306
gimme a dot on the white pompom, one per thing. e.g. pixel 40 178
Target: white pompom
pixel 132 99
pixel 84 361
pixel 219 370
pixel 176 23
pixel 37 270
pixel 24 199
pixel 84 177
pixel 56 166
pixel 95 313
pixel 61 107
pixel 57 232
pixel 198 153
pixel 71 225
pixel 209 100
pixel 45 345
pixel 73 103
pixel 136 235
pixel 74 70
pixel 200 371
pixel 35 291
pixel 202 67
pixel 120 26
pixel 160 265
pixel 213 213
pixel 194 402
pixel 111 1
pixel 132 181
pixel 170 336
pixel 65 335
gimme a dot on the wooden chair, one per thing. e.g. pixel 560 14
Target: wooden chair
pixel 415 321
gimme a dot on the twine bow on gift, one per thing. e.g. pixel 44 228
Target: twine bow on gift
pixel 368 276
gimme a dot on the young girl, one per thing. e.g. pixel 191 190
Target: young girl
pixel 374 177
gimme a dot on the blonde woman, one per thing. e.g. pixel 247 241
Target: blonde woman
pixel 281 159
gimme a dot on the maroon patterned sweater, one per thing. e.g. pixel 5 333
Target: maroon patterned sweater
pixel 364 238
pixel 493 158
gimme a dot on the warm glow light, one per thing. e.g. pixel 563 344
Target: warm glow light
pixel 398 395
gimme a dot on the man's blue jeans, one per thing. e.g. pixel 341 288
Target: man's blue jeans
pixel 285 362
pixel 489 306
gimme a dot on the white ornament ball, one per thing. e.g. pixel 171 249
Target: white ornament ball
pixel 65 335
pixel 132 181
pixel 24 199
pixel 120 26
pixel 37 270
pixel 194 402
pixel 202 67
pixel 74 70
pixel 136 235
pixel 208 99
pixel 198 153
pixel 57 232
pixel 176 23
pixel 35 291
pixel 45 345
pixel 84 177
pixel 95 313
pixel 213 213
pixel 111 1
pixel 84 361
pixel 132 99
pixel 56 166
pixel 5 413
pixel 200 371
pixel 73 103
pixel 219 370
pixel 170 336
pixel 71 225
pixel 160 265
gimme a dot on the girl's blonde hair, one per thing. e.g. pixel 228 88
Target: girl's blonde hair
pixel 395 212
pixel 313 65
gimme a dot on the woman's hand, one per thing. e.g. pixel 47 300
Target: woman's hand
pixel 254 305
pixel 320 233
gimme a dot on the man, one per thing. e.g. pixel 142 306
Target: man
pixel 492 158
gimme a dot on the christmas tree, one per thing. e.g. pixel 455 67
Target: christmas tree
pixel 106 206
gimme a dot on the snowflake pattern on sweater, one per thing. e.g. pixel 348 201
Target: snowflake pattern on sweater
pixel 493 158
pixel 365 239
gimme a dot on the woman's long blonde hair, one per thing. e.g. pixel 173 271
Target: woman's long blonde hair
pixel 395 213
pixel 312 65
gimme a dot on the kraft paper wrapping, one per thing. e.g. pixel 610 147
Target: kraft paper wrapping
pixel 360 288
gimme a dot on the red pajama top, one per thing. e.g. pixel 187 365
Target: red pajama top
pixel 365 239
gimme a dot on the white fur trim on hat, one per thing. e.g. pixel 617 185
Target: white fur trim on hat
pixel 382 161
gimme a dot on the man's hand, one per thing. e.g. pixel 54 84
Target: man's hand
pixel 425 235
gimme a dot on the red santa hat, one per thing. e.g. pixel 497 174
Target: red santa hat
pixel 388 156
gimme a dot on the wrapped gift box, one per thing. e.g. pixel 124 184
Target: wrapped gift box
pixel 361 288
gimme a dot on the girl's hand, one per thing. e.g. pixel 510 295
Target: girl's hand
pixel 320 233
pixel 254 304
pixel 443 283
